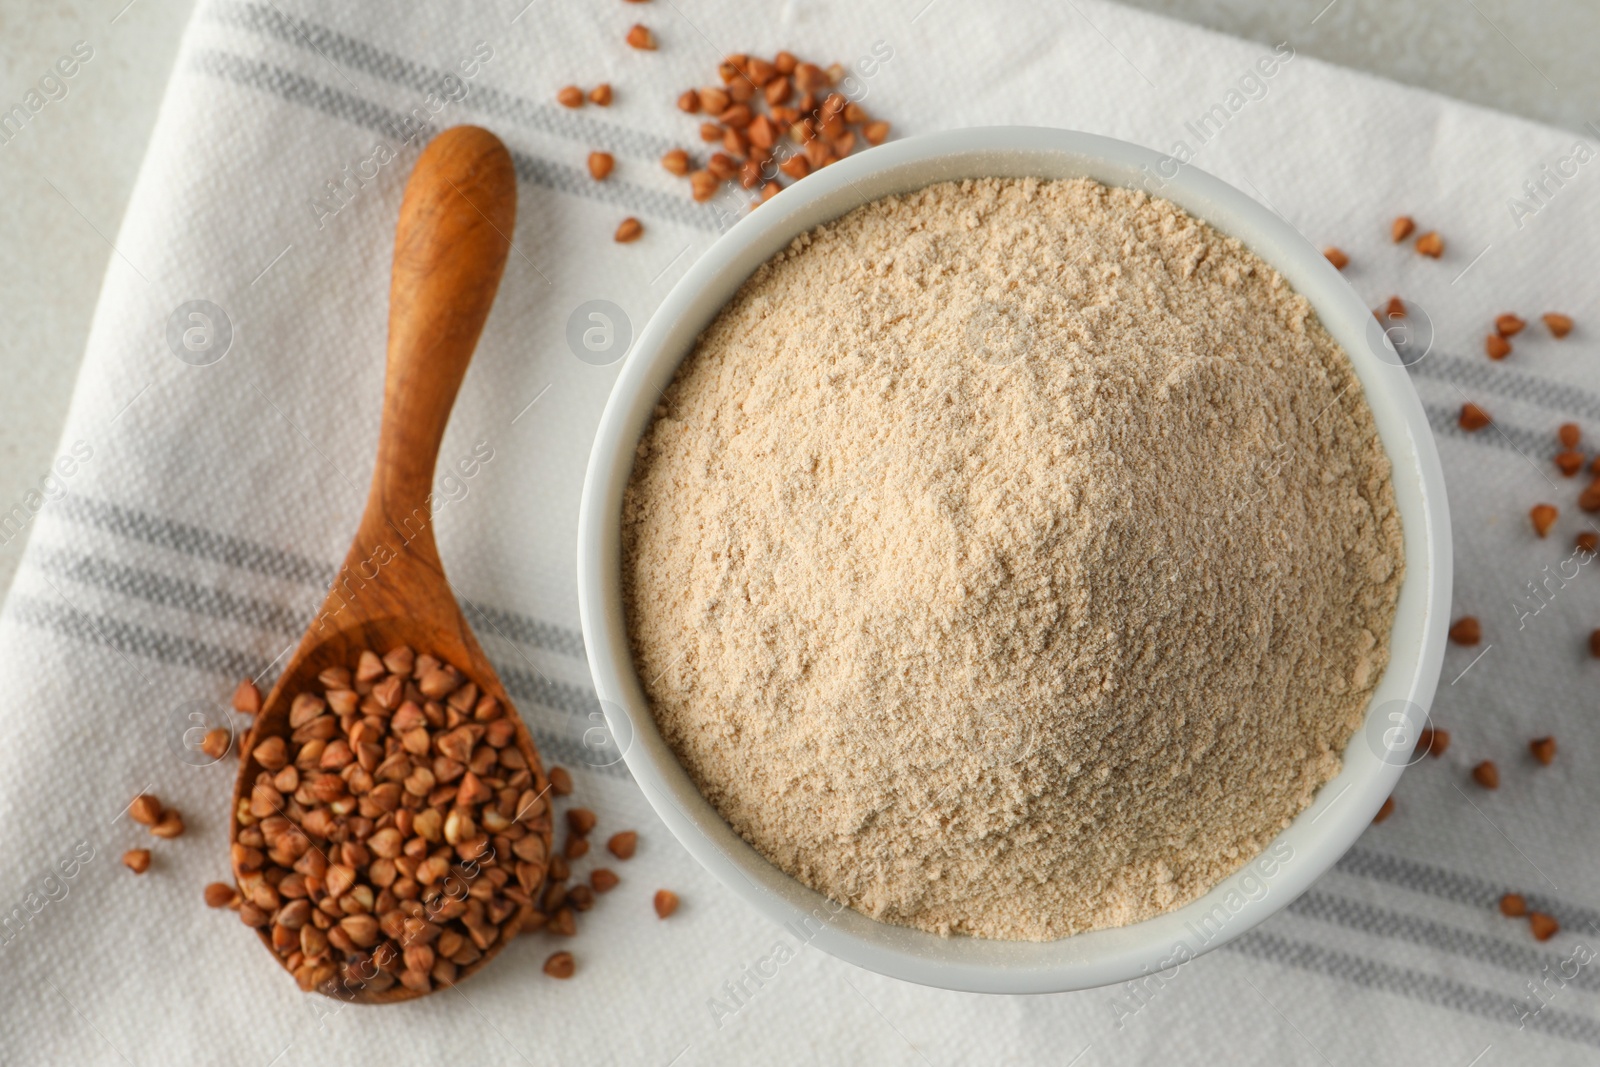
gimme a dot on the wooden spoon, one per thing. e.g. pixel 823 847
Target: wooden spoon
pixel 449 251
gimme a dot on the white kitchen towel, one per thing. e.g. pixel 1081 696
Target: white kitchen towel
pixel 213 469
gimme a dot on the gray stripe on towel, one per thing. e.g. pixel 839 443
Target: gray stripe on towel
pixel 1538 446
pixel 344 51
pixel 577 701
pixel 1520 959
pixel 1413 984
pixel 192 597
pixel 528 684
pixel 131 639
pixel 1457 887
pixel 347 107
pixel 135 524
pixel 1479 374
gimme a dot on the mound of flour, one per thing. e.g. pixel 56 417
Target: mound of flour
pixel 1012 558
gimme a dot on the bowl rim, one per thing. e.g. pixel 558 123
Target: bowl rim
pixel 1316 838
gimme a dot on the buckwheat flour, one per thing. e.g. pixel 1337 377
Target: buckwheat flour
pixel 1012 558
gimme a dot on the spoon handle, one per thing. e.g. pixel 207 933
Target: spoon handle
pixel 450 249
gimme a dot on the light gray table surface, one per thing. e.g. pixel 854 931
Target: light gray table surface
pixel 68 175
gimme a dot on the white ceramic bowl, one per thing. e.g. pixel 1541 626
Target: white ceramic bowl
pixel 1374 758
